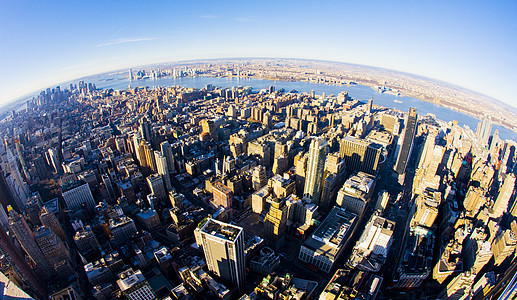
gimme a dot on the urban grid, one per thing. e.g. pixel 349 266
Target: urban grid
pixel 235 193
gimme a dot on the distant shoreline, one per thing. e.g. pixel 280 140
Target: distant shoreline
pixel 425 89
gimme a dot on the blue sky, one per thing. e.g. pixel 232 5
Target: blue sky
pixel 469 43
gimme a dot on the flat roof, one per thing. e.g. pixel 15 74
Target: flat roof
pixel 221 230
pixel 329 236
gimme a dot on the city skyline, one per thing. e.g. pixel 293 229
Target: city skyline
pixel 444 41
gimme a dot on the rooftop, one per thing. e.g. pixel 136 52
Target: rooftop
pixel 221 230
pixel 330 235
pixel 129 278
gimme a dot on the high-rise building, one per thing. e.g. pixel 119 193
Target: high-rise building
pixel 49 220
pixel 275 223
pixel 371 249
pixel 120 141
pixel 134 286
pixel 26 238
pixel 360 155
pixel 167 152
pixel 41 167
pixel 505 244
pixel 315 168
pixel 333 178
pixel 106 179
pixel 259 178
pixel 52 247
pixel 77 193
pixel 281 186
pixel 474 200
pixel 427 206
pixel 280 164
pixel 222 195
pixel 20 266
pixel 484 129
pixel 156 186
pixel 407 141
pixel 163 169
pixel 326 244
pixel 223 245
pixel 11 291
pixel 56 162
pixel 356 192
pixel 460 286
pixel 300 163
pixel 145 129
pixel 149 157
pixel 505 194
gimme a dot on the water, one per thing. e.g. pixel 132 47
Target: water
pixel 359 92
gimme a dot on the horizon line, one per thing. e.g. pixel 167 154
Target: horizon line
pixel 27 95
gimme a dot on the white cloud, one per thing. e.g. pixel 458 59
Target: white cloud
pixel 124 41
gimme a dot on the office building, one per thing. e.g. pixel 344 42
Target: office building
pixel 352 284
pixel 484 129
pixel 371 250
pixel 222 195
pixel 51 246
pixel 325 245
pixel 360 155
pixel 504 245
pixel 19 265
pixel 77 194
pixel 259 178
pixel 505 194
pixel 281 186
pixel 315 168
pixel 156 186
pixel 407 141
pixel 169 156
pixel 332 180
pixel 145 129
pixel 275 223
pixel 223 246
pixel 459 287
pixel 356 192
pixel 300 163
pixel 108 185
pixel 258 199
pixel 163 169
pixel 134 286
pixel 427 206
pixel 415 263
pixel 26 238
pixel 11 291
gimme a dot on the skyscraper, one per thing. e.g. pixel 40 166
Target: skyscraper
pixel 167 152
pixel 156 186
pixel 19 264
pixel 48 219
pixel 315 167
pixel 275 223
pixel 145 129
pixel 360 155
pixel 505 194
pixel 223 245
pixel 407 141
pixel 77 193
pixel 163 169
pixel 26 238
pixel 259 178
pixel 484 129
pixel 52 247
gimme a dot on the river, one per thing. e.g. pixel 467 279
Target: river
pixel 359 92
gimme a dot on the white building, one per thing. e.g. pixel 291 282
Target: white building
pixel 134 286
pixel 325 245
